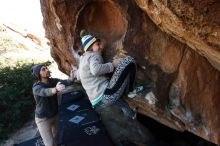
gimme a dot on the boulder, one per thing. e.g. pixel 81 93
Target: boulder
pixel 175 43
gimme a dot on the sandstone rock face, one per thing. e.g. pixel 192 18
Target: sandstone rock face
pixel 175 43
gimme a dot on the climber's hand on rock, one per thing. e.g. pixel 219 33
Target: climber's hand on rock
pixel 73 72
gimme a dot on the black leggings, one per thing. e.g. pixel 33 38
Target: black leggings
pixel 122 81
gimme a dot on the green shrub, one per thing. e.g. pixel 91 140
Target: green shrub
pixel 16 101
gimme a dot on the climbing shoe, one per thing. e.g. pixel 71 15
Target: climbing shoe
pixel 136 91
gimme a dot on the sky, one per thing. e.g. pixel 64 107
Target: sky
pixel 23 13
